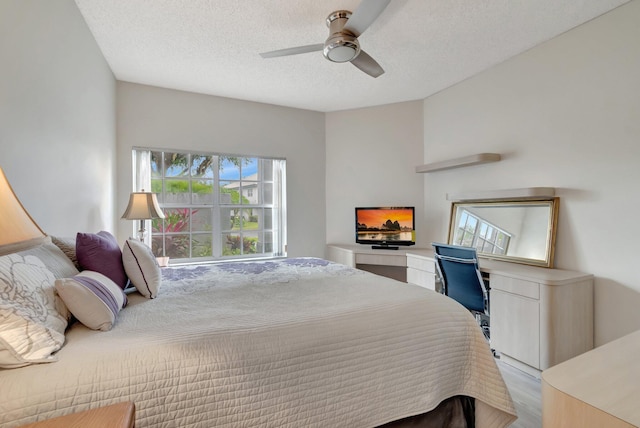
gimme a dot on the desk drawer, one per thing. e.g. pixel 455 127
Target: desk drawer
pixel 381 259
pixel 421 263
pixel 515 286
pixel 421 278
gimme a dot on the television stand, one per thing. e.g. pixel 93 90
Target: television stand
pixel 384 247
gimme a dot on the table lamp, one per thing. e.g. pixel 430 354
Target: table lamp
pixel 16 225
pixel 142 206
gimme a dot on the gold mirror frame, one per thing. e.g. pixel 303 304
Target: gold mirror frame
pixel 527 225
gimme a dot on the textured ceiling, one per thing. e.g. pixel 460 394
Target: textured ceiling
pixel 213 46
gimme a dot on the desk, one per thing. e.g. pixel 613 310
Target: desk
pixel 539 317
pixel 597 389
pixel 390 263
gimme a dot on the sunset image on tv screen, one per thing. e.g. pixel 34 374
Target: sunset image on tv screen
pixel 376 218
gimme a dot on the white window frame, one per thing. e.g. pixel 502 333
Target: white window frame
pixel 275 231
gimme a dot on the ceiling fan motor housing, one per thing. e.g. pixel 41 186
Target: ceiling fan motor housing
pixel 341 46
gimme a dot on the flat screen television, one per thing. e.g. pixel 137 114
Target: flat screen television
pixel 385 227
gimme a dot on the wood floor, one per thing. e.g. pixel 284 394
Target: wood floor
pixel 526 394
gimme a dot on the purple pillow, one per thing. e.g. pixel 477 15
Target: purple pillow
pixel 100 252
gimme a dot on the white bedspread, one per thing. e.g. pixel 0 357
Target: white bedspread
pixel 294 343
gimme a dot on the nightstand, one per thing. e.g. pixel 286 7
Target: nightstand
pixel 121 415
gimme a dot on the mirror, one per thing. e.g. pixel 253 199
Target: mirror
pixel 520 231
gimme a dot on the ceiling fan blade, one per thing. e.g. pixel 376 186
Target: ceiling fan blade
pixel 364 15
pixel 367 64
pixel 293 51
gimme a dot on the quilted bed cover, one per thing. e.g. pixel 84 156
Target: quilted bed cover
pixel 298 342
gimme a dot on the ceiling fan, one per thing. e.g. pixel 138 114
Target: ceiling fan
pixel 342 44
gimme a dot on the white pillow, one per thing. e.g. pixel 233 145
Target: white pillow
pixel 31 328
pixel 94 299
pixel 142 268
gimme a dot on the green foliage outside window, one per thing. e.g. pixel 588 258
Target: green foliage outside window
pixel 181 186
pixel 232 247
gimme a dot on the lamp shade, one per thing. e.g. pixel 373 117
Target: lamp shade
pixel 16 225
pixel 142 206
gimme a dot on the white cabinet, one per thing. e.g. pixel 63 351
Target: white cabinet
pixel 514 316
pixel 540 317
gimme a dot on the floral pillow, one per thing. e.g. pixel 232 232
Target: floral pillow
pixel 31 326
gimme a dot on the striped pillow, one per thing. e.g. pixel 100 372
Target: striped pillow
pixel 142 268
pixel 94 299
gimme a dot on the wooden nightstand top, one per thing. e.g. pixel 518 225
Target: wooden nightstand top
pixel 121 415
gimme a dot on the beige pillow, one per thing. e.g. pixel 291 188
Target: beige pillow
pixel 32 329
pixel 68 247
pixel 94 299
pixel 142 268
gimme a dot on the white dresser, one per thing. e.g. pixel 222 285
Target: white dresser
pixel 539 317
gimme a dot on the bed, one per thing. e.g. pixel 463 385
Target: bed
pixel 296 342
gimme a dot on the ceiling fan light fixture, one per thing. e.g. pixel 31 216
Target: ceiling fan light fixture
pixel 341 49
pixel 342 45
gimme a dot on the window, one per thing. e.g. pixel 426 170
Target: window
pixel 480 234
pixel 216 206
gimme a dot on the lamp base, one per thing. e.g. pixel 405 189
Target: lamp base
pixel 142 233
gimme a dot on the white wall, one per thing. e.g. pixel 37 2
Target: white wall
pixel 371 158
pixel 57 116
pixel 164 118
pixel 565 114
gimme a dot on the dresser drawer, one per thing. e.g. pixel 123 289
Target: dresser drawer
pixel 515 286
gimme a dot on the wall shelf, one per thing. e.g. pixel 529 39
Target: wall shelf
pixel 504 194
pixel 476 159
